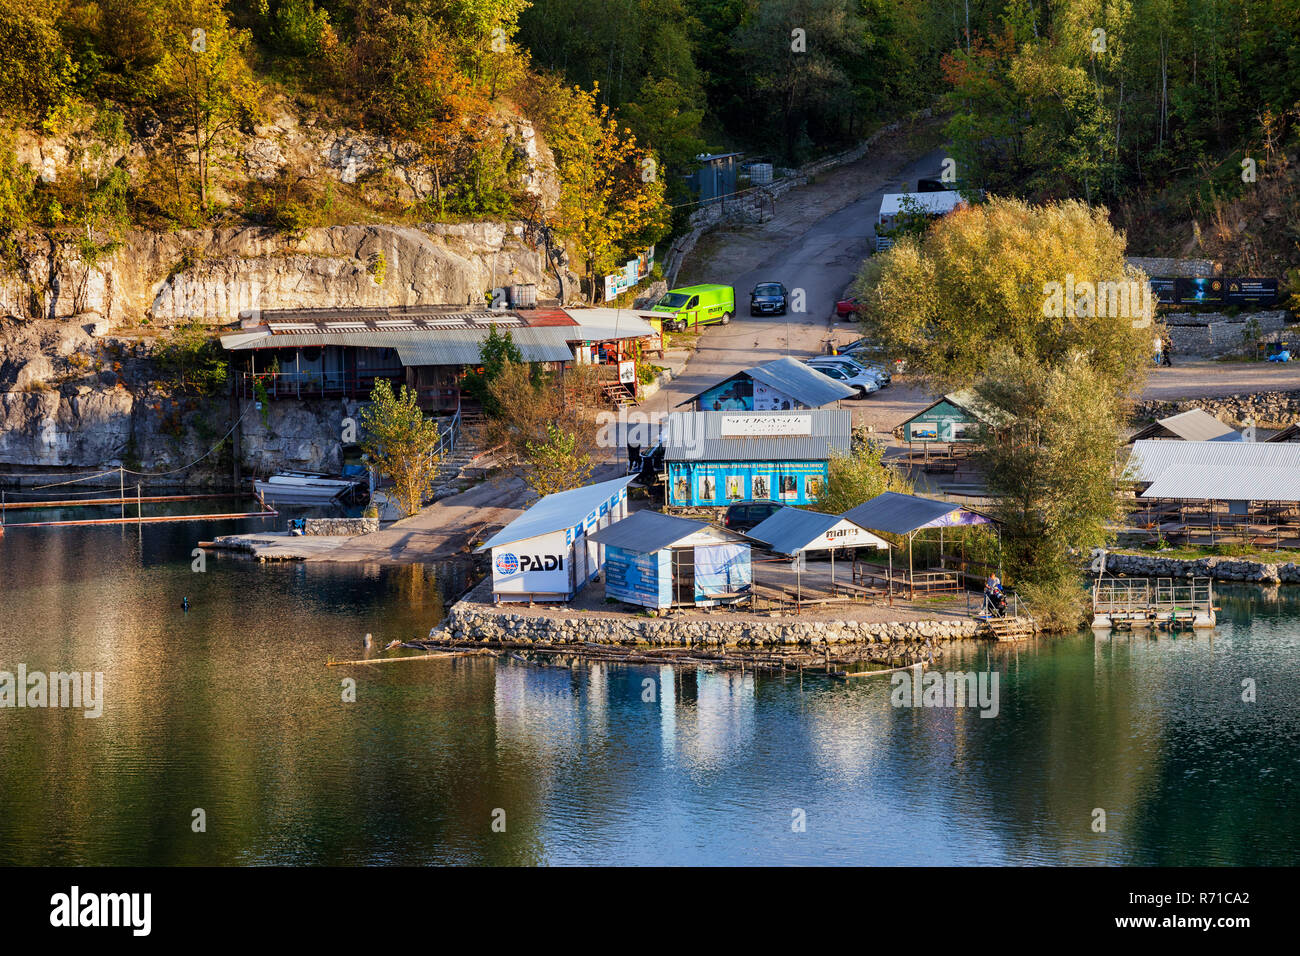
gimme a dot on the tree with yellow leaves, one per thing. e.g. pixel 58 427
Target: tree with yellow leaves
pixel 611 195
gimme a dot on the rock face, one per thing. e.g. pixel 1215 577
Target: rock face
pixel 1218 568
pixel 213 275
pixel 474 622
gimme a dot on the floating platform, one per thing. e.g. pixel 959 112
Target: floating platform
pixel 1139 603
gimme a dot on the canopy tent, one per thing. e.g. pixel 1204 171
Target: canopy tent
pixel 907 515
pixel 794 531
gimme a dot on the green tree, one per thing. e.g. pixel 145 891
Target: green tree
pixel 1049 467
pixel 497 353
pixel 401 444
pixel 557 463
pixel 203 85
pixel 36 72
pixel 857 477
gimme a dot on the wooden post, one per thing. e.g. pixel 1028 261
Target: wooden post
pixel 139 513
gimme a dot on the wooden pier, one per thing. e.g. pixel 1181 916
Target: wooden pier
pixel 1124 604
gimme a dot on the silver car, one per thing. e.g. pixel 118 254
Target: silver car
pixel 856 378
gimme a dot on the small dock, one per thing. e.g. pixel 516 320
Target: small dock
pixel 1126 604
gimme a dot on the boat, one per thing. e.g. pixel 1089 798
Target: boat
pixel 307 488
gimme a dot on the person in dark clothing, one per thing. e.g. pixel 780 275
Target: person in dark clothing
pixel 1166 351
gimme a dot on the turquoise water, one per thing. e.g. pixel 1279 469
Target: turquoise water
pixel 229 708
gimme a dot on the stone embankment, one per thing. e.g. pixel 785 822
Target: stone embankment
pixel 473 622
pixel 340 526
pixel 1265 409
pixel 1219 568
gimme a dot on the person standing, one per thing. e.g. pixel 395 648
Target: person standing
pixel 1158 346
pixel 1167 350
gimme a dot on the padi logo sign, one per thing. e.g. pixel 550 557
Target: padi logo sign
pixel 511 563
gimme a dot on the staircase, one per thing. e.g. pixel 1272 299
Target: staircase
pixel 1007 628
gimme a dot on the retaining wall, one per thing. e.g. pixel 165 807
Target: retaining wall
pixel 1218 568
pixel 483 623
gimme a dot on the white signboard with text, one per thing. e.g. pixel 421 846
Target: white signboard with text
pixel 764 426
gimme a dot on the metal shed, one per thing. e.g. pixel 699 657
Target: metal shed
pixel 659 561
pixel 548 553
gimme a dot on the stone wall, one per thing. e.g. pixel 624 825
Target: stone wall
pixel 1164 268
pixel 340 526
pixel 1265 409
pixel 1213 334
pixel 1221 569
pixel 472 621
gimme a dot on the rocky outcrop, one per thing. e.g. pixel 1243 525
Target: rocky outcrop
pixel 340 526
pixel 476 622
pixel 1218 568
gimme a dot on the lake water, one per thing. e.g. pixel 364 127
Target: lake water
pixel 229 708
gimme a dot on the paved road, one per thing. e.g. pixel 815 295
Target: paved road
pixel 816 243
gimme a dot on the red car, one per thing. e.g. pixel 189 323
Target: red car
pixel 847 308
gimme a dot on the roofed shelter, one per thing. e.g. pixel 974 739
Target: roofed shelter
pixel 907 516
pixel 795 532
pixel 1248 491
pixel 1196 424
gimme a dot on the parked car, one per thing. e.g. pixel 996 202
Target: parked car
pixel 769 298
pixel 879 369
pixel 694 306
pixel 858 379
pixel 854 362
pixel 847 308
pixel 746 515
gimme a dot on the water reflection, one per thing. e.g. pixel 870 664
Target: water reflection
pixel 228 707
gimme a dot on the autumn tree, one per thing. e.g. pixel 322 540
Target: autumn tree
pixel 611 193
pixel 401 444
pixel 36 72
pixel 858 476
pixel 203 84
pixel 1046 282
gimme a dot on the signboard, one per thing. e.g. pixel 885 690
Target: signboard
pixel 632 272
pixel 627 372
pixel 1251 291
pixel 763 426
pixel 1164 290
pixel 848 535
pixel 1202 290
pixel 538 565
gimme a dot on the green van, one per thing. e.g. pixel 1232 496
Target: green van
pixel 695 305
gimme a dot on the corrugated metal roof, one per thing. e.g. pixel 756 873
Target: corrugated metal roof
pixel 792 530
pixel 424 347
pixel 646 532
pixel 596 325
pixel 565 509
pixel 895 513
pixel 805 385
pixel 697 436
pixel 1151 458
pixel 1228 483
pixel 1193 425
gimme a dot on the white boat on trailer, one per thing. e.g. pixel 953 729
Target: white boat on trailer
pixel 303 487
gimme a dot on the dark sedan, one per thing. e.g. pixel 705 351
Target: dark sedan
pixel 768 298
